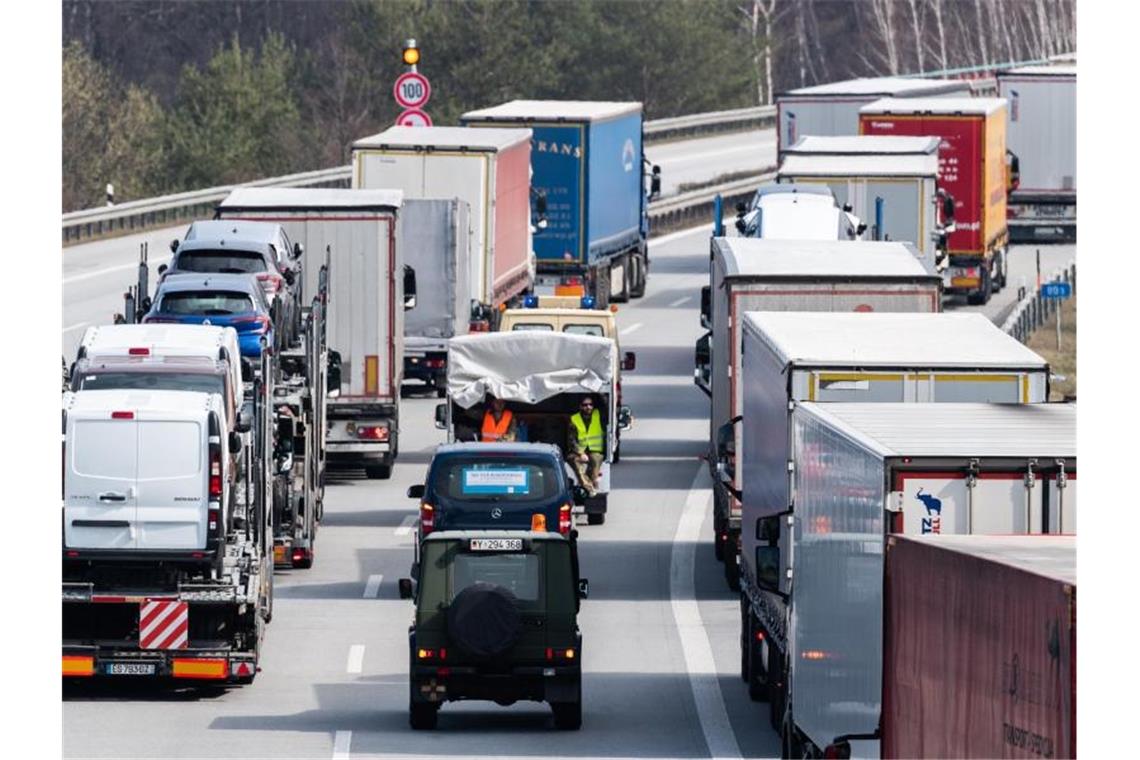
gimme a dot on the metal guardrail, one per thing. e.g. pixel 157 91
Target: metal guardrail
pixel 1032 311
pixel 140 215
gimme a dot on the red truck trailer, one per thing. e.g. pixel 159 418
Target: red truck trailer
pixel 980 646
pixel 971 168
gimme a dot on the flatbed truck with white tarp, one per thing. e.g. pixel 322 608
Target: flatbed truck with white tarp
pixel 784 275
pixel 817 519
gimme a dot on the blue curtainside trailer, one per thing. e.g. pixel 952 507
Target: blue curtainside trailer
pixel 589 194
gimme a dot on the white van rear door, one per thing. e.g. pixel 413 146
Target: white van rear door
pixel 100 492
pixel 172 485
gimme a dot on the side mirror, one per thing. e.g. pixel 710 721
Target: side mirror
pixel 583 588
pixel 145 304
pixel 289 275
pixel 540 204
pixel 246 370
pixel 741 208
pixel 625 418
pixel 948 209
pixel 848 207
pixel 333 379
pixel 441 416
pixel 706 307
pixel 245 417
pixel 579 494
pixel 768 568
pixel 702 363
pixel 409 288
pixel 655 182
pixel 235 441
pixel 861 228
pixel 298 250
pixel 162 269
pixel 405 586
pixel 739 225
pixel 173 246
pixel 285 464
pixel 629 361
pixel 416 491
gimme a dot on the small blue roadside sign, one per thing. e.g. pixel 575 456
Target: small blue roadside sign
pixel 1056 290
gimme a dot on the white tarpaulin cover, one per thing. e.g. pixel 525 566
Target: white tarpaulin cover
pixel 527 366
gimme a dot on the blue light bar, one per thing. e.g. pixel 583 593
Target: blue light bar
pixel 589 302
pixel 530 302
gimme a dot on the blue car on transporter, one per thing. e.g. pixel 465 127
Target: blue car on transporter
pixel 222 300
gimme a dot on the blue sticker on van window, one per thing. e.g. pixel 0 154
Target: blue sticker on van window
pixel 497 481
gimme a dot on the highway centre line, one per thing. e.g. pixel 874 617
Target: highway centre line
pixel 631 329
pixel 679 301
pixel 355 659
pixel 342 743
pixel 406 525
pixel 695 644
pixel 372 587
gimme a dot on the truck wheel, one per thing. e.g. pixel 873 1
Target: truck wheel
pixel 731 569
pixel 640 276
pixel 776 694
pixel 718 529
pixel 567 715
pixel 757 677
pixel 982 296
pixel 378 472
pixel 596 518
pixel 996 277
pixel 617 450
pixel 423 716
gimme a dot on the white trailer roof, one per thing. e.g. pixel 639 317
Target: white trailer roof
pixel 459 138
pixel 935 106
pixel 310 198
pixel 863 145
pixel 1044 70
pixel 824 339
pixel 859 166
pixel 884 86
pixel 810 259
pixel 194 403
pixel 527 366
pixel 569 110
pixel 1051 556
pixel 1044 431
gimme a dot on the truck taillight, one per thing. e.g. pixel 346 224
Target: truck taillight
pixel 435 363
pixel 565 519
pixel 215 473
pixel 427 519
pixel 479 325
pixel 372 432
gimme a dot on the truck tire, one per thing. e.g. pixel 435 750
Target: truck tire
pixel 640 276
pixel 423 716
pixel 757 677
pixel 998 277
pixel 776 692
pixel 718 529
pixel 378 471
pixel 567 715
pixel 982 297
pixel 484 620
pixel 623 295
pixel 731 569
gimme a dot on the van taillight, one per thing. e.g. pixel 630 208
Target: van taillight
pixel 427 519
pixel 215 473
pixel 565 519
pixel 141 351
pixel 212 516
pixel 122 415
pixel 269 282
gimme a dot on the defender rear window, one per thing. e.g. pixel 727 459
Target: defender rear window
pixel 536 326
pixel 157 381
pixel 595 330
pixel 518 573
pixel 480 478
pixel 233 262
pixel 206 302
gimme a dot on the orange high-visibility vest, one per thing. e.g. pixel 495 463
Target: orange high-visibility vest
pixel 493 431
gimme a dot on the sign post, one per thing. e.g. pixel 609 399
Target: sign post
pixel 1057 291
pixel 412 90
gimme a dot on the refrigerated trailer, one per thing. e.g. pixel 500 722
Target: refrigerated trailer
pixel 972 168
pixel 1042 103
pixel 589 167
pixel 816 521
pixel 489 169
pixel 359 231
pixel 1009 604
pixel 890 182
pixel 833 109
pixel 784 275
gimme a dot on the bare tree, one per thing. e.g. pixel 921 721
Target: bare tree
pixel 882 16
pixel 759 19
pixel 983 36
pixel 935 7
pixel 918 27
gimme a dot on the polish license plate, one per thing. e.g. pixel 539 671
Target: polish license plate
pixel 496 544
pixel 130 668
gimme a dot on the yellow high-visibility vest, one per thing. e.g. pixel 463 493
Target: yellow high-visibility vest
pixel 592 438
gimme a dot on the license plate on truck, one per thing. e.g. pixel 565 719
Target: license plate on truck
pixel 129 669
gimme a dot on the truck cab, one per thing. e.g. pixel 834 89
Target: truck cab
pixel 496 618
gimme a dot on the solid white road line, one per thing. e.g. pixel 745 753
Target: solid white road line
pixel 695 644
pixel 342 741
pixel 356 658
pixel 678 234
pixel 75 327
pixel 372 587
pixel 406 525
pixel 679 301
pixel 631 329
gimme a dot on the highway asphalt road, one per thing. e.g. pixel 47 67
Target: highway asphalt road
pixel 660 654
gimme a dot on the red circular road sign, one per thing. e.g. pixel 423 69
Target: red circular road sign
pixel 412 89
pixel 413 117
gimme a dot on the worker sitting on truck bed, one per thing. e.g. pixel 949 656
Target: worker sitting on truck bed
pixel 587 444
pixel 498 422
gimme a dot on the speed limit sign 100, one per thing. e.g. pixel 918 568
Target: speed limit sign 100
pixel 412 90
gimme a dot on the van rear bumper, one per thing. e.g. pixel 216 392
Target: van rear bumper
pixel 521 683
pixel 180 556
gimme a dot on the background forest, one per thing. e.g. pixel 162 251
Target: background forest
pixel 163 96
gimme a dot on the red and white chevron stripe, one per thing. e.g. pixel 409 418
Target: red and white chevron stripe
pixel 164 624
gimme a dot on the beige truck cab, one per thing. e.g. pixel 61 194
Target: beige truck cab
pixel 573 315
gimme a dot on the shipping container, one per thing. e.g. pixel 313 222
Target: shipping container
pixel 980 647
pixel 833 108
pixel 588 163
pixel 794 276
pixel 889 182
pixel 857 474
pixel 365 319
pixel 1043 135
pixel 489 169
pixel 972 169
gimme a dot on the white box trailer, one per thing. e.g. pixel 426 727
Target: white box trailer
pixel 833 109
pixel 813 562
pixel 488 168
pixel 1042 133
pixel 365 325
pixel 748 274
pixel 891 183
